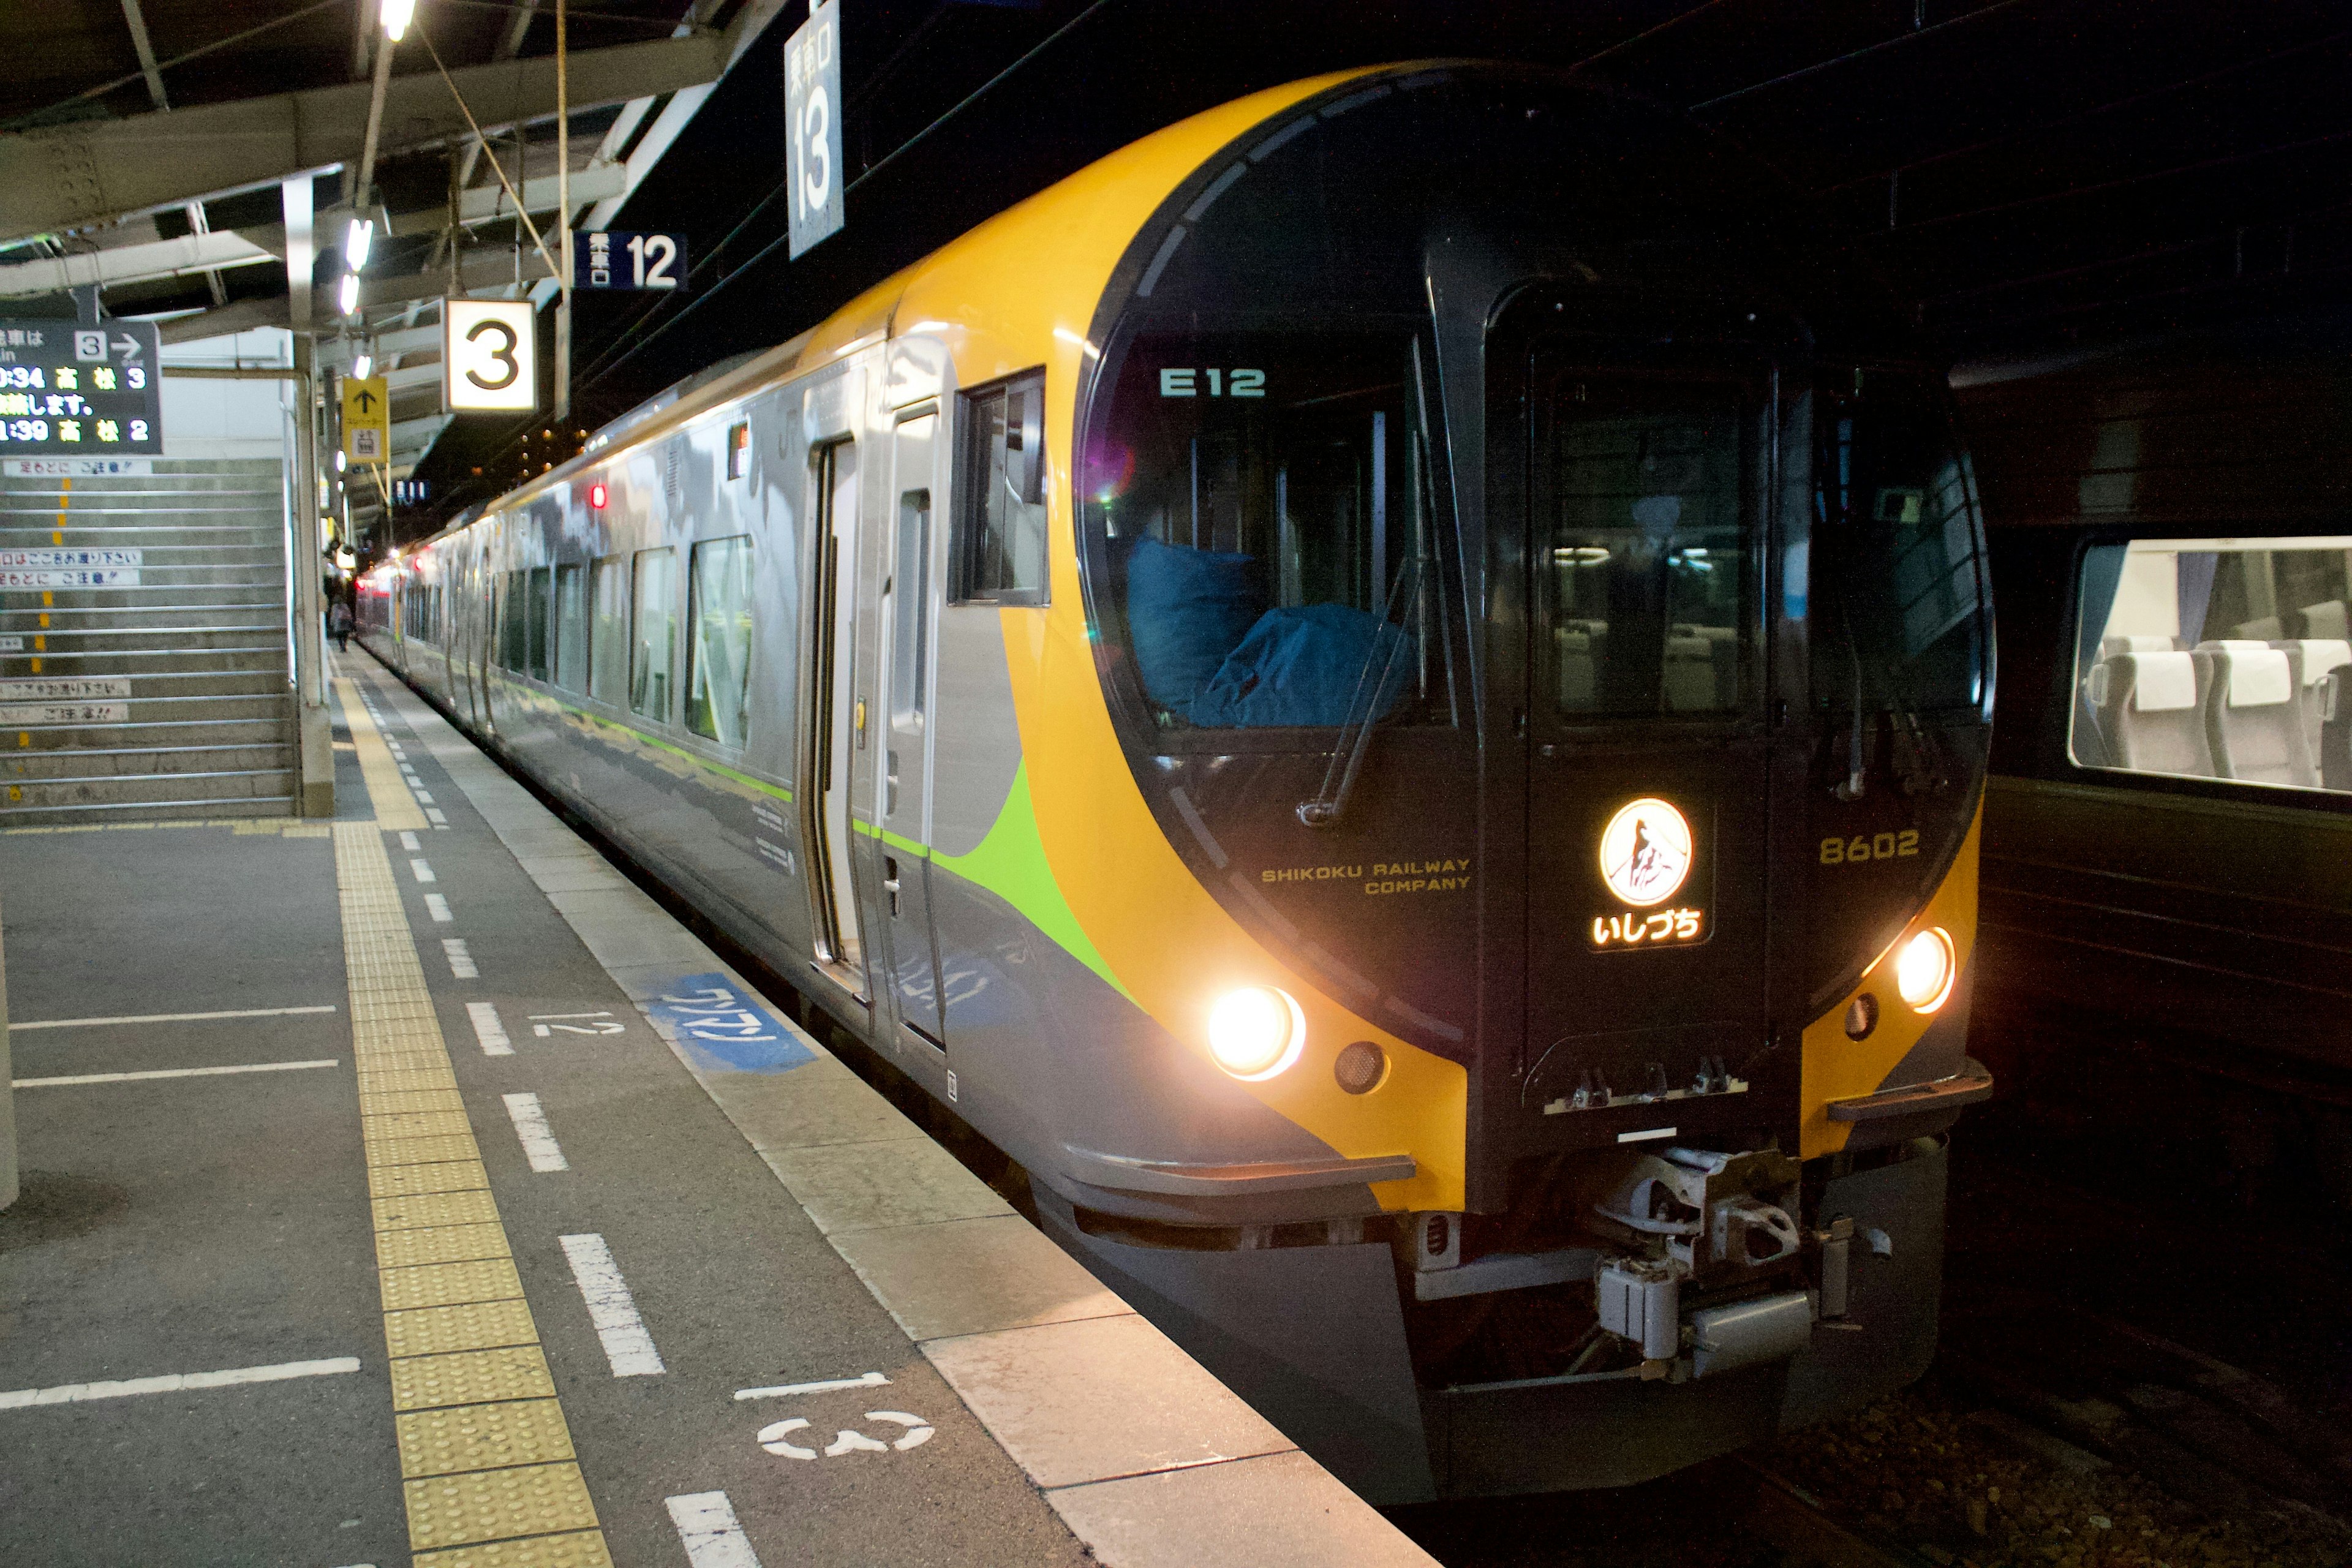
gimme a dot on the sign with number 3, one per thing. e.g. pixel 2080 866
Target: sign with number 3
pixel 491 349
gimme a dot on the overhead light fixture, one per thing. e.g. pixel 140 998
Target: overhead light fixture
pixel 348 296
pixel 339 460
pixel 362 366
pixel 357 241
pixel 395 15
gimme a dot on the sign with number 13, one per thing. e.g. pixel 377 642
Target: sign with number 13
pixel 812 109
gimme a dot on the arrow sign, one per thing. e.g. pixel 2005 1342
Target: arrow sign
pixel 367 419
pixel 365 400
pixel 127 347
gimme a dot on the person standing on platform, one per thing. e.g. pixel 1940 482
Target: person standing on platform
pixel 339 622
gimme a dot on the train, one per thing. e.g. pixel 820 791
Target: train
pixel 1388 690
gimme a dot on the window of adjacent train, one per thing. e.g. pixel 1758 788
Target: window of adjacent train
pixel 718 640
pixel 1000 535
pixel 608 635
pixel 1642 489
pixel 2216 658
pixel 543 591
pixel 1266 516
pixel 514 623
pixel 653 645
pixel 1895 590
pixel 572 627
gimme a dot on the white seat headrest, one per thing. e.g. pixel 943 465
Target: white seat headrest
pixel 2233 645
pixel 2321 655
pixel 2258 678
pixel 2163 682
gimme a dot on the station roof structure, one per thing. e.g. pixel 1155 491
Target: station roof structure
pixel 2033 176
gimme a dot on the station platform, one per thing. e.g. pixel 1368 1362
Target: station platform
pixel 412 1187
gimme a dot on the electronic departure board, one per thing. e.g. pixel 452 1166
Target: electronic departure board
pixel 70 390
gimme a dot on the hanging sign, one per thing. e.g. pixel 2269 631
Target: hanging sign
pixel 615 259
pixel 813 111
pixel 75 391
pixel 367 418
pixel 491 348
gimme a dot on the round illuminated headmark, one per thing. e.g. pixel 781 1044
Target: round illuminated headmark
pixel 1646 852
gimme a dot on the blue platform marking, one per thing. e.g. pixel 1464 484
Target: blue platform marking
pixel 725 1024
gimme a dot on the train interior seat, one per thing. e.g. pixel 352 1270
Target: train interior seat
pixel 2327 620
pixel 2262 628
pixel 2319 656
pixel 2111 646
pixel 2150 710
pixel 2253 717
pixel 1702 673
pixel 2335 758
pixel 1577 647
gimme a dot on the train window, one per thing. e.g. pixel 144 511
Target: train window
pixel 2219 659
pixel 514 624
pixel 910 597
pixel 1000 534
pixel 1895 529
pixel 653 645
pixel 608 638
pixel 1640 491
pixel 1265 515
pixel 572 627
pixel 542 591
pixel 718 640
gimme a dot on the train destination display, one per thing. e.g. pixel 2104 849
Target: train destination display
pixel 68 389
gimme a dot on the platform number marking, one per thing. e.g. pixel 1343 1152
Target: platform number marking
pixel 914 1431
pixel 813 111
pixel 492 352
pixel 546 1025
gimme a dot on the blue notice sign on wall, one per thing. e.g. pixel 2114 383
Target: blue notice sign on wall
pixel 724 1023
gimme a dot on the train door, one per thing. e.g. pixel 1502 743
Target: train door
pixel 833 715
pixel 1648 784
pixel 905 637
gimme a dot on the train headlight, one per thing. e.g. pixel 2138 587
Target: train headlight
pixel 1923 970
pixel 1257 1032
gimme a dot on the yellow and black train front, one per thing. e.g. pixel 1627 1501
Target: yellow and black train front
pixel 1537 610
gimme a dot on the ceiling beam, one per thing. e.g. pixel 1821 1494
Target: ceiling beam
pixel 482 272
pixel 66 176
pixel 131 264
pixel 486 204
pixel 139 41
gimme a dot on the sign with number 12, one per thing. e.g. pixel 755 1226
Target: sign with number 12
pixel 812 109
pixel 615 259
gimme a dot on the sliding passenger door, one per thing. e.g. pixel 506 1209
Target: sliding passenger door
pixel 908 589
pixel 832 711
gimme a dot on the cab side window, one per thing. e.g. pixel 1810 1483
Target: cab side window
pixel 997 549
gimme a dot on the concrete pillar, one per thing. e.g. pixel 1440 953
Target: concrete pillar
pixel 318 751
pixel 7 1095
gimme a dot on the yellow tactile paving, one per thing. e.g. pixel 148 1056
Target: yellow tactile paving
pixel 471 1326
pixel 476 1414
pixel 482 1438
pixel 411 1213
pixel 440 1244
pixel 442 1177
pixel 414 1124
pixel 585 1550
pixel 394 1102
pixel 421 1151
pixel 471 1377
pixel 396 808
pixel 495 1505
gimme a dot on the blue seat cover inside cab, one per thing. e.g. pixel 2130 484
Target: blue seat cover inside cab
pixel 1304 666
pixel 1186 610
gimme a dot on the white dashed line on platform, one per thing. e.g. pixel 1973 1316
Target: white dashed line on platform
pixel 424 872
pixel 166 1017
pixel 408 841
pixel 627 1345
pixel 461 961
pixel 438 908
pixel 706 1528
pixel 422 798
pixel 539 1144
pixel 488 1030
pixel 175 1383
pixel 832 1385
pixel 433 815
pixel 172 1072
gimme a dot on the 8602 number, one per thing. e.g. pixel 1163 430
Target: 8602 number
pixel 1866 846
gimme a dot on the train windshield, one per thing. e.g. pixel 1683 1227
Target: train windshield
pixel 1267 513
pixel 1898 609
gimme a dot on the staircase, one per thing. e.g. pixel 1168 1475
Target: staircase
pixel 144 668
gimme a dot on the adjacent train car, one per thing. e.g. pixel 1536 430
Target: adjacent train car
pixel 2166 915
pixel 1388 689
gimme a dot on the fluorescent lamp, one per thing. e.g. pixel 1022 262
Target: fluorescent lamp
pixel 357 239
pixel 395 15
pixel 347 297
pixel 362 366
